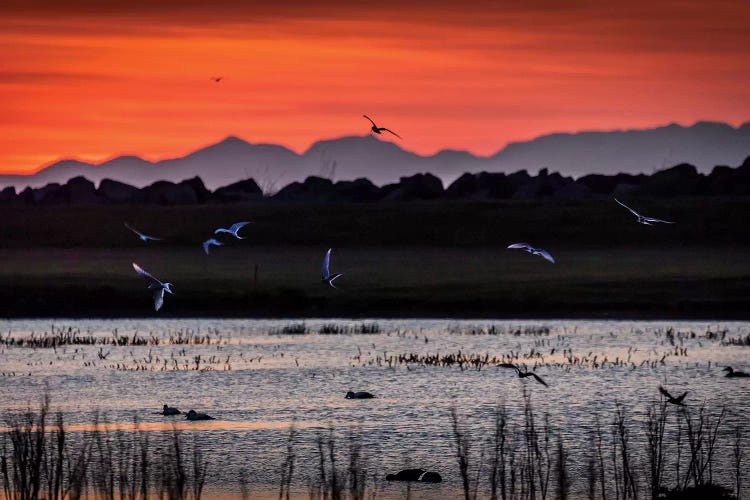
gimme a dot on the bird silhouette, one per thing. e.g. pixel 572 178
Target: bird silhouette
pixel 642 218
pixel 380 130
pixel 207 244
pixel 143 237
pixel 732 373
pixel 327 276
pixel 526 373
pixel 217 79
pixel 154 284
pixel 233 230
pixel 675 401
pixel 533 251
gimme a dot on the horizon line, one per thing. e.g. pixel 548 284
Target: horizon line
pixel 304 151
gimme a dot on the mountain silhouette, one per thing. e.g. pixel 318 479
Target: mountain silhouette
pixel 704 144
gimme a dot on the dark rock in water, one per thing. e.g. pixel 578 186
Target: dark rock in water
pixel 118 192
pixel 431 477
pixel 358 395
pixel 419 475
pixel 406 475
pixel 246 190
pixel 703 492
pixel 417 187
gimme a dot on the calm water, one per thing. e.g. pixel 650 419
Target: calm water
pixel 261 380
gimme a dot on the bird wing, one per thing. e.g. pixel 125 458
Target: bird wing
pixel 539 379
pixel 392 132
pixel 373 123
pixel 158 298
pixel 519 245
pixel 665 393
pixel 683 396
pixel 651 219
pixel 206 245
pixel 146 275
pixel 326 265
pixel 140 234
pixel 546 255
pixel 237 226
pixel 631 210
pixel 337 275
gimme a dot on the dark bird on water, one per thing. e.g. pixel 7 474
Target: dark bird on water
pixel 193 415
pixel 168 410
pixel 379 130
pixel 732 373
pixel 358 395
pixel 675 401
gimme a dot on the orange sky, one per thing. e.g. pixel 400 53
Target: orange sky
pixel 78 80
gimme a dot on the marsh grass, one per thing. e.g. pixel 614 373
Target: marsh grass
pixel 662 453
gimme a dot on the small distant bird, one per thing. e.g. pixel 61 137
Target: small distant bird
pixel 732 373
pixel 217 79
pixel 379 130
pixel 642 218
pixel 193 415
pixel 233 229
pixel 533 251
pixel 143 237
pixel 358 395
pixel 154 284
pixel 208 243
pixel 168 410
pixel 675 401
pixel 327 276
pixel 524 374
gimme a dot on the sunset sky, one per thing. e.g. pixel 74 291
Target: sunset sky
pixel 78 80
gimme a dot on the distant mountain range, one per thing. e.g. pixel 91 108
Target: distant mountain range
pixel 704 144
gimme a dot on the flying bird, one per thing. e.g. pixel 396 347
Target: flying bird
pixel 233 230
pixel 154 284
pixel 524 374
pixel 327 276
pixel 143 237
pixel 642 218
pixel 213 241
pixel 217 79
pixel 379 130
pixel 732 373
pixel 533 251
pixel 675 401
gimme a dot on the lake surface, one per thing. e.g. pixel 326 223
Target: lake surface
pixel 257 377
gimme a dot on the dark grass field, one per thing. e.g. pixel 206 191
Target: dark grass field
pixel 402 260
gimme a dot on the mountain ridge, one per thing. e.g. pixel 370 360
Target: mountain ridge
pixel 631 151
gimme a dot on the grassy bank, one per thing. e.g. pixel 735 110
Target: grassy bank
pixel 398 259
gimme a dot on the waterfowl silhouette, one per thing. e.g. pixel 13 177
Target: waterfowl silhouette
pixel 675 401
pixel 154 284
pixel 327 276
pixel 143 237
pixel 193 415
pixel 379 130
pixel 168 410
pixel 732 373
pixel 642 218
pixel 533 251
pixel 524 374
pixel 358 395
pixel 217 79
pixel 420 475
